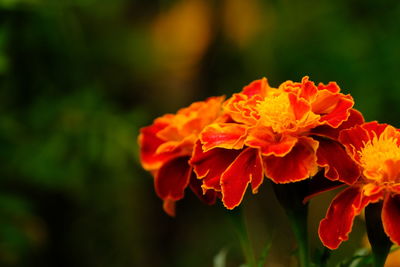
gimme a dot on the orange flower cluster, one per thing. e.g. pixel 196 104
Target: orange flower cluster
pixel 286 134
pixel 166 147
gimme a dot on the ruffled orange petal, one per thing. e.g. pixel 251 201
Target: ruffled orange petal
pixel 210 165
pixel 223 135
pixel 337 163
pixel 331 87
pixel 300 106
pixel 247 168
pixel 338 222
pixel 333 108
pixel 306 89
pixel 172 179
pixel 269 142
pixel 300 163
pixel 355 118
pixel 149 142
pixel 242 109
pixel 257 87
pixel 391 217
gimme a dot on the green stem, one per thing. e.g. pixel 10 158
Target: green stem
pixel 238 220
pixel 298 221
pixel 291 196
pixel 380 242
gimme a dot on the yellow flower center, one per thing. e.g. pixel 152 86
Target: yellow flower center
pixel 380 159
pixel 275 111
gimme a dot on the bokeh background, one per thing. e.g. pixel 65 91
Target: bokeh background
pixel 78 79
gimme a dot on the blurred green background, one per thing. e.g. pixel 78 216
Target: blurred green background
pixel 79 78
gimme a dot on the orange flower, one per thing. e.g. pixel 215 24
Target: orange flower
pixel 166 146
pixel 376 150
pixel 287 133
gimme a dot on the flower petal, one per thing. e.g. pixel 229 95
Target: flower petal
pixel 299 164
pixel 354 119
pixel 299 105
pixel 172 178
pixel 169 207
pixel 331 86
pixel 149 143
pixel 209 197
pixel 223 135
pixel 266 140
pixel 338 222
pixel 257 87
pixel 333 108
pixel 242 109
pixel 355 138
pixel 306 89
pixel 391 218
pixel 210 165
pixel 246 168
pixel 171 181
pixel 337 163
pixel 395 188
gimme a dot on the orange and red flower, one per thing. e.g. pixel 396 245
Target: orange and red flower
pixel 286 133
pixel 166 146
pixel 376 150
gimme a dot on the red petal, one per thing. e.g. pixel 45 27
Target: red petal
pixel 354 119
pixel 209 197
pixel 308 88
pixel 211 164
pixel 246 168
pixel 395 188
pixel 337 163
pixel 355 138
pixel 169 207
pixel 299 164
pixel 223 135
pixel 257 87
pixel 300 106
pixel 269 143
pixel 331 86
pixel 149 143
pixel 391 218
pixel 336 107
pixel 338 222
pixel 374 129
pixel 172 178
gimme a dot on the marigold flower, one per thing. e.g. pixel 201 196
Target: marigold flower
pixel 286 133
pixel 166 146
pixel 376 150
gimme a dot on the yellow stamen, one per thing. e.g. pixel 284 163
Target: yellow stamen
pixel 380 158
pixel 275 111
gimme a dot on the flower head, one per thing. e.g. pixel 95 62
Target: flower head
pixel 376 150
pixel 286 133
pixel 166 146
